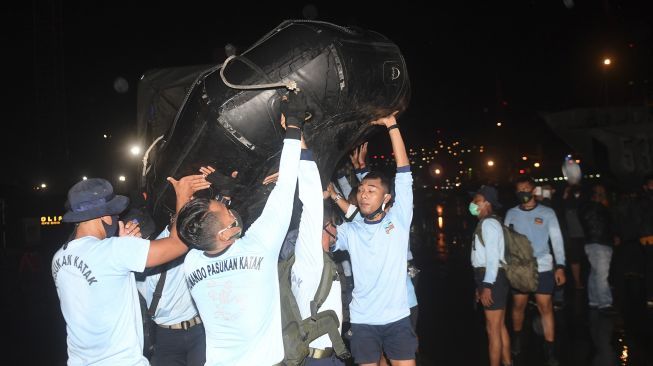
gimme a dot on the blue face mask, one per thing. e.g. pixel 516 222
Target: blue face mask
pixel 473 209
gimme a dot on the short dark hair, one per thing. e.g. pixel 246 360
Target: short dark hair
pixel 525 179
pixel 197 226
pixel 385 181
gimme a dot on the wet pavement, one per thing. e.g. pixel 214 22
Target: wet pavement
pixel 451 327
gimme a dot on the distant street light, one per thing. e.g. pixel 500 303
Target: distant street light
pixel 43 185
pixel 499 124
pixel 490 163
pixel 606 65
pixel 121 178
pixel 537 165
pixel 84 178
pixel 135 150
pixel 524 158
pixel 437 171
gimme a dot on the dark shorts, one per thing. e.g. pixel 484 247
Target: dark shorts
pixel 545 286
pixel 499 290
pixel 397 339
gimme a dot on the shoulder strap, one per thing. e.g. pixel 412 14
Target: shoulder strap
pixel 479 232
pixel 158 291
pixel 479 229
pixel 289 303
pixel 329 273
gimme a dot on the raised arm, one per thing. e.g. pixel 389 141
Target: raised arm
pixel 339 200
pixel 308 248
pixel 343 182
pixel 362 170
pixel 271 227
pixel 166 249
pixel 398 147
pixel 403 179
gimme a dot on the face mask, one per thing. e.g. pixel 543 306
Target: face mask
pixel 383 204
pixel 524 197
pixel 473 209
pixel 112 229
pixel 237 235
pixel 378 210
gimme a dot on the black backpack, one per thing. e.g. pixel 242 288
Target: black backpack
pixel 298 333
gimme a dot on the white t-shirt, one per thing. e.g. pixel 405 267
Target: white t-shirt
pixel 97 291
pixel 237 290
pixel 175 304
pixel 309 257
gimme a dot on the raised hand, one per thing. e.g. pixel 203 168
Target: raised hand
pixel 131 228
pixel 354 158
pixel 293 110
pixel 386 121
pixel 271 179
pixel 186 186
pixel 362 154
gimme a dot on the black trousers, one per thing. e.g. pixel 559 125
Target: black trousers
pixel 178 347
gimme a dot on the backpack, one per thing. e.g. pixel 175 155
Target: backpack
pixel 520 263
pixel 298 333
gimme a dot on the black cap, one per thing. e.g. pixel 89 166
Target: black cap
pixel 491 195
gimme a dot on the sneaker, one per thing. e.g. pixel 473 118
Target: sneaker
pixel 608 310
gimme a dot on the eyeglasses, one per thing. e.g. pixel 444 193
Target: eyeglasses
pixel 334 237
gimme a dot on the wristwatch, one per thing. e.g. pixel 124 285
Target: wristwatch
pixel 337 198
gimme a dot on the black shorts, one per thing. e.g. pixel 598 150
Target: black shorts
pixel 546 284
pixel 499 289
pixel 397 339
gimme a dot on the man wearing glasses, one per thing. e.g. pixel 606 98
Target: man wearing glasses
pixel 234 280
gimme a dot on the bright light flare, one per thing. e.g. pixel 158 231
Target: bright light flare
pixel 135 150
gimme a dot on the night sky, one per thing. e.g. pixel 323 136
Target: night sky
pixel 470 65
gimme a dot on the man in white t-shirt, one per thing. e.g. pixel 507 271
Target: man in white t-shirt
pixel 179 338
pixel 94 273
pixel 234 280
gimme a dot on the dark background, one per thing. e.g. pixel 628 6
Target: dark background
pixel 471 65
